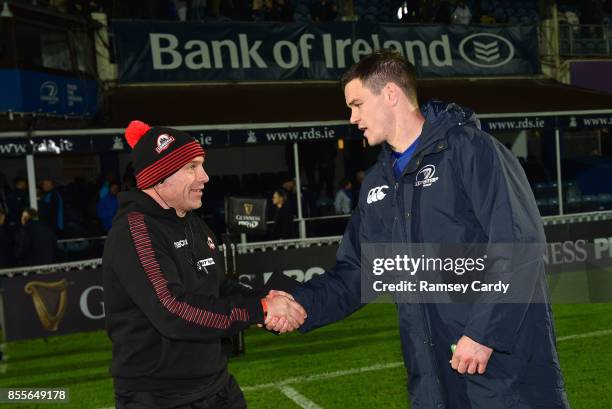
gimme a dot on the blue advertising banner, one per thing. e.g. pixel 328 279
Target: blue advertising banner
pixel 84 142
pixel 111 140
pixel 178 52
pixel 37 92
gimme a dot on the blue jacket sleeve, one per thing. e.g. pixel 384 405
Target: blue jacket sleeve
pixel 336 294
pixel 505 207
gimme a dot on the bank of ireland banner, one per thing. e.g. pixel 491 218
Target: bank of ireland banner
pixel 179 52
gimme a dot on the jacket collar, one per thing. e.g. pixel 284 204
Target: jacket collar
pixel 440 117
pixel 138 201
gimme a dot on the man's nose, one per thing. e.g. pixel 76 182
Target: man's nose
pixel 203 176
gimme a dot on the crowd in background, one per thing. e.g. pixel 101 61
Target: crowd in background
pixel 409 11
pixel 593 12
pixel 85 209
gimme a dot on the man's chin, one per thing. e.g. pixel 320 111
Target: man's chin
pixel 373 141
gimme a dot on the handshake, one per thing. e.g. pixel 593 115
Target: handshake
pixel 284 313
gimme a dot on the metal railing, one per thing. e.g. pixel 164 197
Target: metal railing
pixel 585 40
pixel 243 248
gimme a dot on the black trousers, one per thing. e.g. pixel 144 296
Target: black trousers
pixel 229 397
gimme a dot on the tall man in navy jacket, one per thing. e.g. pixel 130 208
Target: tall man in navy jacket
pixel 505 353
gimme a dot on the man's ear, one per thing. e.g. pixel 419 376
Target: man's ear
pixel 391 93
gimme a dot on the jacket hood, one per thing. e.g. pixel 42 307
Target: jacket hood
pixel 440 117
pixel 137 200
pixel 438 111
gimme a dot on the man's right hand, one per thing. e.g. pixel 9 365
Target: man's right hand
pixel 284 313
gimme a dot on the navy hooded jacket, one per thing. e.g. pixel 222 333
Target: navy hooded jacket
pixel 478 194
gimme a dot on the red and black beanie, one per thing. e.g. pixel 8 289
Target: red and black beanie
pixel 159 152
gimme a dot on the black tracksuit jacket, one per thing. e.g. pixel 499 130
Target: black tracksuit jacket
pixel 168 302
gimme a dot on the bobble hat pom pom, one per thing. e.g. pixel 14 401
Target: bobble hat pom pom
pixel 135 131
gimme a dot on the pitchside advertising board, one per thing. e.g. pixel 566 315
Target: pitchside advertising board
pixel 170 52
pixel 246 215
pixel 115 142
pixel 85 143
pixel 38 306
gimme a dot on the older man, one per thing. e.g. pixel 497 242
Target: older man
pixel 168 303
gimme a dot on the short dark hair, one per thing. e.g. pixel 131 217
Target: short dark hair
pixel 381 67
pixel 345 182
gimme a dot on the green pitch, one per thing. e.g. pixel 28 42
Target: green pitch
pixel 352 364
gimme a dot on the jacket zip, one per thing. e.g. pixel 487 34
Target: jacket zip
pixel 423 313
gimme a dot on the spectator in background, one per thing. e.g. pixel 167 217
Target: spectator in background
pixel 323 10
pixel 82 7
pixel 198 10
pixel 345 10
pixel 107 206
pixel 58 5
pixel 51 206
pixel 239 10
pixel 343 202
pixel 260 10
pixel 283 218
pixel 17 200
pixel 6 243
pixel 281 10
pixel 308 199
pixel 181 8
pixel 462 14
pixel 443 13
pixel 35 242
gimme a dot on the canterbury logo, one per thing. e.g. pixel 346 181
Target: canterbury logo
pixel 425 177
pixel 377 193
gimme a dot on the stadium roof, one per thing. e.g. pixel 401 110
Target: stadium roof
pixel 286 102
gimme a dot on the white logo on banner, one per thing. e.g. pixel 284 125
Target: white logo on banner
pixel 118 144
pixel 252 137
pixel 83 304
pixel 489 50
pixel 49 92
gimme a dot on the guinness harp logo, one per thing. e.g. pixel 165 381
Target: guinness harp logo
pixel 49 301
pixel 248 208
